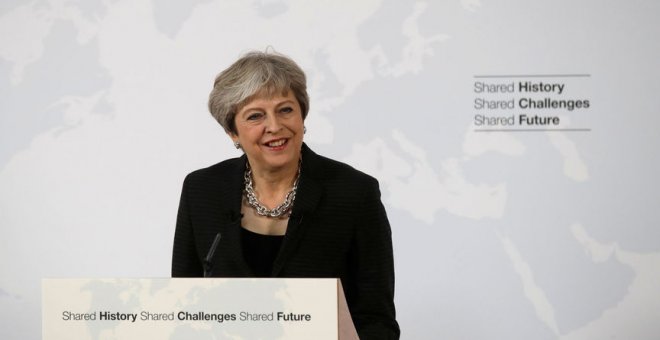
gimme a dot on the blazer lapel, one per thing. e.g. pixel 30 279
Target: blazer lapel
pixel 230 244
pixel 308 196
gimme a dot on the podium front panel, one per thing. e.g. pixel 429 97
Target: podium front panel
pixel 189 308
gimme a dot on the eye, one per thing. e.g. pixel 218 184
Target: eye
pixel 255 116
pixel 286 109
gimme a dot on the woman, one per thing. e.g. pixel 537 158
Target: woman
pixel 283 210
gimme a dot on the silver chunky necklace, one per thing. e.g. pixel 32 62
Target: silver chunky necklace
pixel 281 211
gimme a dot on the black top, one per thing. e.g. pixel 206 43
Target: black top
pixel 338 228
pixel 260 251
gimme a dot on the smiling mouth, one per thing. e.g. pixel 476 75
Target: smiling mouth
pixel 276 143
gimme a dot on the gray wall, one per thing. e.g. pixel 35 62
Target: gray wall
pixel 497 235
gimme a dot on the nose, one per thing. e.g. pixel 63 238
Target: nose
pixel 273 123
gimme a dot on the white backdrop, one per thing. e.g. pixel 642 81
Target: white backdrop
pixel 497 235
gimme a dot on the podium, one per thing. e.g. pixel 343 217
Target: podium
pixel 195 308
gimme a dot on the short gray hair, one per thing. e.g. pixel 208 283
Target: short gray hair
pixel 249 76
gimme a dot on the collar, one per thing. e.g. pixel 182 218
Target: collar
pixel 309 191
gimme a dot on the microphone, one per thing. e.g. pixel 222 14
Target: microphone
pixel 208 263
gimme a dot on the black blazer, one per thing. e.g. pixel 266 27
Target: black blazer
pixel 338 228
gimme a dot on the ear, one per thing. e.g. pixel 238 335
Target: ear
pixel 233 136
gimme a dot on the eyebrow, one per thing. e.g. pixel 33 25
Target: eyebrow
pixel 247 108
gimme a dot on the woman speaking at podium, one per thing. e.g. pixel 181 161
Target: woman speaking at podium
pixel 281 210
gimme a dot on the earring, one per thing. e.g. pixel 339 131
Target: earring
pixel 304 130
pixel 237 145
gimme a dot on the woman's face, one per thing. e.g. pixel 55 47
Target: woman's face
pixel 270 131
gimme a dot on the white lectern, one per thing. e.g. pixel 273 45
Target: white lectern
pixel 195 308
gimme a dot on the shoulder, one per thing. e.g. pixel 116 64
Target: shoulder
pixel 333 172
pixel 226 167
